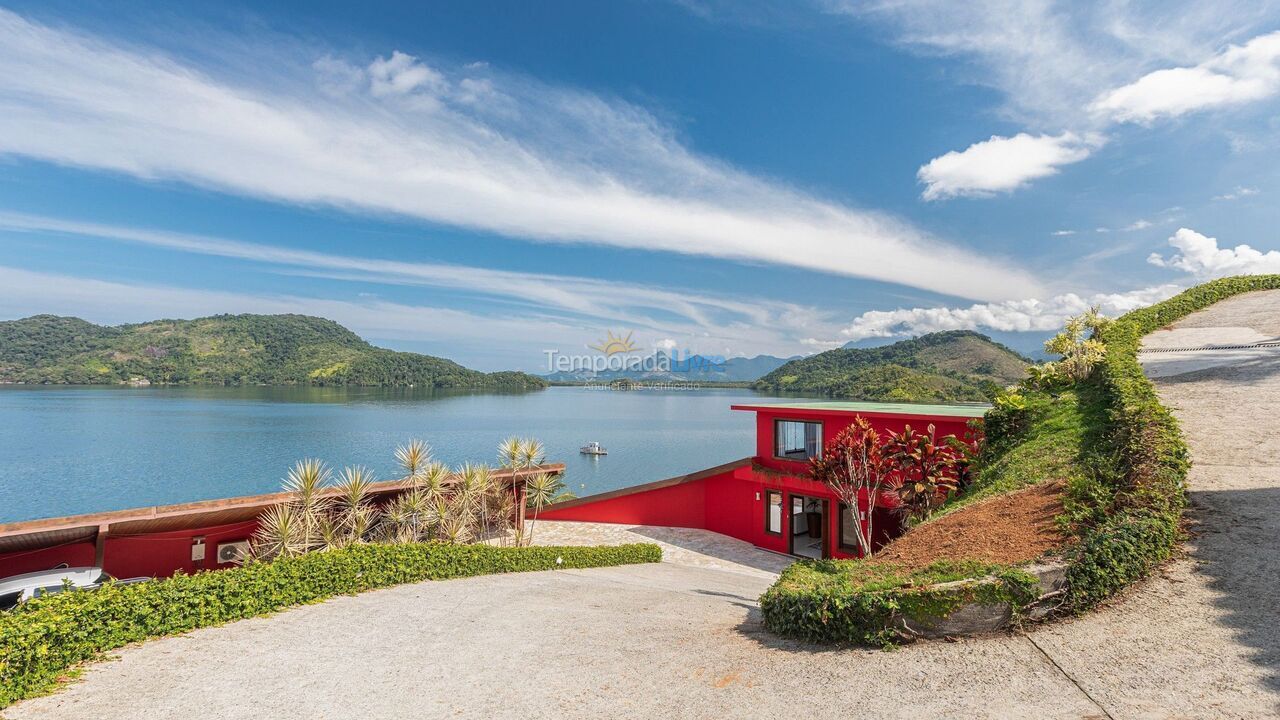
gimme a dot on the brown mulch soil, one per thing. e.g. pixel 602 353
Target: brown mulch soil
pixel 1011 528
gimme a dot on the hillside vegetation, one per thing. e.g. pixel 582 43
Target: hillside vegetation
pixel 952 366
pixel 223 350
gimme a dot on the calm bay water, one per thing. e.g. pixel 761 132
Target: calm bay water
pixel 70 450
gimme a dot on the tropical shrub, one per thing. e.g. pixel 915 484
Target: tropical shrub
pixel 910 471
pixel 924 470
pixel 42 640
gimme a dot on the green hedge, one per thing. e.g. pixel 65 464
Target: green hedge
pixel 44 639
pixel 861 602
pixel 1142 528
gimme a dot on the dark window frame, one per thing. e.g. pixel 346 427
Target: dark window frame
pixel 777 422
pixel 782 515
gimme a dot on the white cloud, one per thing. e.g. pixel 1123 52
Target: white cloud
pixel 1196 255
pixel 1062 233
pixel 1239 74
pixel 554 166
pixel 1137 225
pixel 401 74
pixel 1236 194
pixel 1200 256
pixel 1002 164
pixel 1009 316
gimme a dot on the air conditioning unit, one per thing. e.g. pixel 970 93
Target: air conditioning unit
pixel 233 552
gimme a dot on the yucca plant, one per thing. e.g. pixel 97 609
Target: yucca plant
pixel 521 456
pixel 306 482
pixel 280 533
pixel 414 458
pixel 540 489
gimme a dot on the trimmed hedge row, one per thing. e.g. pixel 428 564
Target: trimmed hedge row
pixel 1142 529
pixel 43 639
pixel 858 602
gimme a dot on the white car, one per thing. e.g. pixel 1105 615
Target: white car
pixel 20 588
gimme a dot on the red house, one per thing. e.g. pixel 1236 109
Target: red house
pixel 767 500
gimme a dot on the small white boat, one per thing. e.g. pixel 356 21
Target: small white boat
pixel 593 448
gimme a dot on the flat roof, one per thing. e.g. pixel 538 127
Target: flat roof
pixel 875 408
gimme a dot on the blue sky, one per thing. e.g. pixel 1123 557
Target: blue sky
pixel 487 181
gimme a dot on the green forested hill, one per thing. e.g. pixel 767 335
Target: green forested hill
pixel 950 366
pixel 223 350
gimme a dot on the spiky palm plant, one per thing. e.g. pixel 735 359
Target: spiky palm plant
pixel 533 453
pixel 280 533
pixel 306 481
pixel 510 452
pixel 414 458
pixel 356 513
pixel 521 456
pixel 455 529
pixel 539 489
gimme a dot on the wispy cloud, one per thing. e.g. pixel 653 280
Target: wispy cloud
pixel 544 302
pixel 393 135
pixel 1002 164
pixel 1236 194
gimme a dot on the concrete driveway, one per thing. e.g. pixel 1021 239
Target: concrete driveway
pixel 683 639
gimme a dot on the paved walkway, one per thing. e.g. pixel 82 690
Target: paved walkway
pixel 683 639
pixel 682 546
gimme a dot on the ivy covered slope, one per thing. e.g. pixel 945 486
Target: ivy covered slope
pixel 223 350
pixel 953 366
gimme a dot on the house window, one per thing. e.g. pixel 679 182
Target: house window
pixel 797 440
pixel 773 512
pixel 848 529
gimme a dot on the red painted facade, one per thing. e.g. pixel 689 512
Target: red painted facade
pixel 731 499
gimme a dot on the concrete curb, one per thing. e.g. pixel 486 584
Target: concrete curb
pixel 982 618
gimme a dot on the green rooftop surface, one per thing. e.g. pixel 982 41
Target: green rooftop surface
pixel 966 411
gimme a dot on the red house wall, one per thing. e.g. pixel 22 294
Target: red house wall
pixel 733 503
pixel 164 554
pixel 19 563
pixel 150 555
pixel 672 506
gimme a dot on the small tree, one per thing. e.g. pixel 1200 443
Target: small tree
pixel 854 467
pixel 1080 350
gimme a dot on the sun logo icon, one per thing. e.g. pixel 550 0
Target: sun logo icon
pixel 613 345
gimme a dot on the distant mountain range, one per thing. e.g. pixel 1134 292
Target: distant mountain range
pixel 738 369
pixel 953 366
pixel 223 350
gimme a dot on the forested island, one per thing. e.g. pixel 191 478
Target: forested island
pixel 224 350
